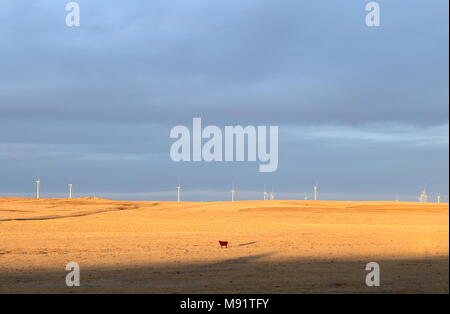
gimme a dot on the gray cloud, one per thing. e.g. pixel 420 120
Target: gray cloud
pixel 95 104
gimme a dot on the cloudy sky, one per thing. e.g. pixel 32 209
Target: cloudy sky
pixel 362 111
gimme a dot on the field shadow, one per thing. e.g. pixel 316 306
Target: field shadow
pixel 249 274
pixel 248 243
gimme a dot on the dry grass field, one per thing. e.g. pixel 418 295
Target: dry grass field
pixel 275 246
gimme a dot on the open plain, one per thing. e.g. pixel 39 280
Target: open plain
pixel 274 246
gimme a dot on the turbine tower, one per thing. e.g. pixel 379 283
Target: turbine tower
pixel 38 188
pixel 178 193
pixel 70 190
pixel 316 191
pixel 423 197
pixel 265 194
pixel 438 198
pixel 306 197
pixel 233 192
pixel 272 196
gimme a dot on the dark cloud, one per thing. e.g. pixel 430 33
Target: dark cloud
pixel 96 103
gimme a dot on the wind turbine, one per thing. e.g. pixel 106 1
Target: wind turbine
pixel 70 190
pixel 272 196
pixel 233 192
pixel 306 197
pixel 423 197
pixel 38 188
pixel 438 198
pixel 316 191
pixel 265 194
pixel 178 193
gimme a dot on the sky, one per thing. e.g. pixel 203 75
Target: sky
pixel 362 111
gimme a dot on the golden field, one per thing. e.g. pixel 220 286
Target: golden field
pixel 274 246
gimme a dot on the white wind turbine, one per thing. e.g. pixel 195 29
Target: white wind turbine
pixel 423 197
pixel 38 188
pixel 178 193
pixel 233 192
pixel 70 190
pixel 316 191
pixel 265 194
pixel 438 198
